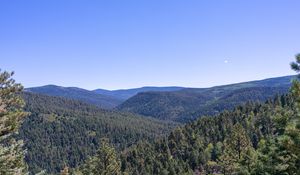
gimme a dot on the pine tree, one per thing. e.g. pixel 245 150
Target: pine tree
pixel 296 65
pixel 288 143
pixel 237 149
pixel 280 154
pixel 292 130
pixel 105 162
pixel 11 115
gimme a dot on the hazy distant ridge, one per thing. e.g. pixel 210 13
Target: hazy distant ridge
pixel 127 93
pixel 75 93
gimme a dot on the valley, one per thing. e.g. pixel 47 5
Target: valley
pixel 175 104
pixel 149 87
pixel 66 125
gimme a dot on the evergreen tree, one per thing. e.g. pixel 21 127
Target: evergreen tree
pixel 11 115
pixel 296 65
pixel 237 149
pixel 292 131
pixel 105 162
pixel 280 154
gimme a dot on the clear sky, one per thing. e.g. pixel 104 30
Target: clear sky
pixel 131 43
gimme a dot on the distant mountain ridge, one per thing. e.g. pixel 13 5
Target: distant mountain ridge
pixel 75 93
pixel 189 103
pixel 100 97
pixel 177 99
pixel 73 127
pixel 127 93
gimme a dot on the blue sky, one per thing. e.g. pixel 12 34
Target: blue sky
pixel 123 44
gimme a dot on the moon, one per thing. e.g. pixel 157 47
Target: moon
pixel 226 61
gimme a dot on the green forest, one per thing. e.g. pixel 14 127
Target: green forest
pixel 42 134
pixel 188 104
pixel 256 138
pixel 60 131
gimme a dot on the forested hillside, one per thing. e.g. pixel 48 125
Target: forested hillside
pixel 149 87
pixel 252 139
pixel 255 138
pixel 209 145
pixel 188 104
pixel 62 132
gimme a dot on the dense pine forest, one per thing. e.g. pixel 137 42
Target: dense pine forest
pixel 256 138
pixel 174 103
pixel 56 135
pixel 252 139
pixel 61 131
pixel 149 87
pixel 188 104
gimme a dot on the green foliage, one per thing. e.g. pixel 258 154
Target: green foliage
pixel 296 65
pixel 188 104
pixel 251 139
pixel 280 154
pixel 237 142
pixel 254 138
pixel 237 150
pixel 105 162
pixel 62 132
pixel 11 115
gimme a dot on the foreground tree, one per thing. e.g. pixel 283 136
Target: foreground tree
pixel 296 65
pixel 280 154
pixel 293 127
pixel 11 115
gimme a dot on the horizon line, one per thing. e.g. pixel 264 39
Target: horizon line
pixel 153 86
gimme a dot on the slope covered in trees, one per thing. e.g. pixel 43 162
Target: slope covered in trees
pixel 255 138
pixel 63 132
pixel 251 139
pixel 185 106
pixel 188 104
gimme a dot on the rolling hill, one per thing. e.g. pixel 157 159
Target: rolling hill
pixel 125 94
pixel 189 103
pixel 62 132
pixel 103 101
pixel 256 138
pixel 100 97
